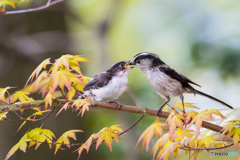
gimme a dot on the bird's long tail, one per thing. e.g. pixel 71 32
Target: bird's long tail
pixel 213 98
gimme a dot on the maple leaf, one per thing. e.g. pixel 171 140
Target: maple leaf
pixel 38 69
pixel 65 138
pixel 160 145
pixel 204 115
pixel 39 135
pixel 2 93
pixel 107 137
pixel 62 61
pixel 180 106
pixel 3 116
pixel 116 128
pixel 154 128
pixel 170 147
pixel 22 96
pixel 236 134
pixel 87 144
pixel 22 145
pixel 189 115
pixel 48 100
pixel 180 133
pixel 207 141
pixel 73 63
pixel 82 105
pixel 41 80
pixel 65 107
pixel 228 127
pixel 174 121
pixel 65 77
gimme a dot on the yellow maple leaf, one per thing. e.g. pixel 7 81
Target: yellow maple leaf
pixel 65 138
pixel 236 136
pixel 71 93
pixel 107 137
pixel 22 96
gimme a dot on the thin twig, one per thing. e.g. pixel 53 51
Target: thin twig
pixel 49 3
pixel 131 126
pixel 29 120
pixel 63 94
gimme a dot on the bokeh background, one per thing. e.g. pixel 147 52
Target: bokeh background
pixel 200 39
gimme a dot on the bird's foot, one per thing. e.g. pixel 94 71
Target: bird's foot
pixel 117 104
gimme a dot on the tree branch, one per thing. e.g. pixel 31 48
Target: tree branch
pixel 125 108
pixel 49 3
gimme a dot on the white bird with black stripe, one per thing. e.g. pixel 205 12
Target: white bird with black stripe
pixel 166 80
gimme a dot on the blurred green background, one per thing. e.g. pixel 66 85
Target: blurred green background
pixel 200 39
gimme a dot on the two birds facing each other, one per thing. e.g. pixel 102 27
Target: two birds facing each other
pixel 109 85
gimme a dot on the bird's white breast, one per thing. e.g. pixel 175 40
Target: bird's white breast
pixel 163 83
pixel 116 86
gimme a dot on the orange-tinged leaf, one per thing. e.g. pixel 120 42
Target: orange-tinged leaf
pixel 63 60
pixel 48 100
pixel 22 96
pixel 107 137
pixel 3 116
pixel 38 69
pixel 204 115
pixel 82 105
pixel 39 81
pixel 176 120
pixel 65 107
pixel 154 128
pixel 22 145
pixel 2 93
pixel 190 115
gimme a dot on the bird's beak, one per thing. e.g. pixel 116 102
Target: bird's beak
pixel 127 65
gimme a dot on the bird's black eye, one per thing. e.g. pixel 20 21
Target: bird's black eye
pixel 121 65
pixel 137 61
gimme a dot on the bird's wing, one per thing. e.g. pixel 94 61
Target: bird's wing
pixel 175 75
pixel 98 81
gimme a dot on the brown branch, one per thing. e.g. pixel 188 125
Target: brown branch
pixel 125 108
pixel 49 3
